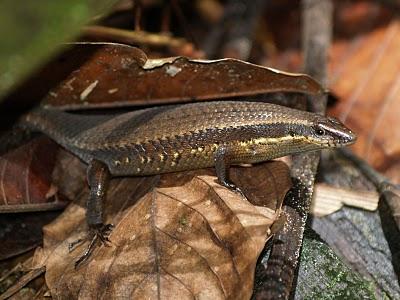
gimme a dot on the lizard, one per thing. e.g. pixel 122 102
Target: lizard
pixel 175 138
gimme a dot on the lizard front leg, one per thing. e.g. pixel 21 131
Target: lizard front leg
pixel 222 159
pixel 98 177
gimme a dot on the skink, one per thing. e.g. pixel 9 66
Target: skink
pixel 183 137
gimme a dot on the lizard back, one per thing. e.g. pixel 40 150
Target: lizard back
pixel 177 137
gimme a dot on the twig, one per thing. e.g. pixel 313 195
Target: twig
pixel 388 191
pixel 285 252
pixel 182 20
pixel 15 269
pixel 393 5
pixel 166 19
pixel 137 12
pixel 24 280
pixel 234 32
pixel 133 37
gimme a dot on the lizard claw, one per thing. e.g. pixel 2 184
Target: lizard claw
pixel 231 186
pixel 98 232
pixel 103 233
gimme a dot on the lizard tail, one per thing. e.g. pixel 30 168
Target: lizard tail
pixel 60 126
pixel 42 120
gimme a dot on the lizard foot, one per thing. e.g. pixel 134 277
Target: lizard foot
pixel 234 188
pixel 97 233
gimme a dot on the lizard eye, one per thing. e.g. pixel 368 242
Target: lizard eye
pixel 319 131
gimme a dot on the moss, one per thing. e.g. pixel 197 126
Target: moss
pixel 326 276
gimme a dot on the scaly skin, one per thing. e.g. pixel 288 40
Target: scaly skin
pixel 182 137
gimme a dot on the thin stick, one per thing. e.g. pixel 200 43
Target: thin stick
pixel 133 37
pixel 23 281
pixel 182 20
pixel 283 261
pixel 387 190
pixel 137 11
pixel 235 31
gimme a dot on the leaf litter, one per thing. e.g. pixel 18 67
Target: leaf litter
pixel 176 236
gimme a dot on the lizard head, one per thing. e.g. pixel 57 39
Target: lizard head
pixel 329 132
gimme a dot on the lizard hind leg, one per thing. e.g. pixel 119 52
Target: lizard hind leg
pixel 98 177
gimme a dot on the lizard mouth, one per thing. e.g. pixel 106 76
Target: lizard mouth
pixel 345 140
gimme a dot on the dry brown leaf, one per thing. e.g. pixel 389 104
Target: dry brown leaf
pixel 364 74
pixel 22 232
pixel 26 185
pixel 186 237
pixel 98 75
pixel 25 177
pixel 369 82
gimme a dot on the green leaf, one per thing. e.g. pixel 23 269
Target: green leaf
pixel 32 31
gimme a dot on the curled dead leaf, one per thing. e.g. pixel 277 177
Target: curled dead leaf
pixel 100 75
pixel 25 178
pixel 177 236
pixel 26 186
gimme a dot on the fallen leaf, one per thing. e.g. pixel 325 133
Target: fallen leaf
pixel 69 175
pixel 368 81
pixel 98 75
pixel 176 236
pixel 20 233
pixel 26 177
pixel 364 64
pixel 26 186
pixel 328 199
